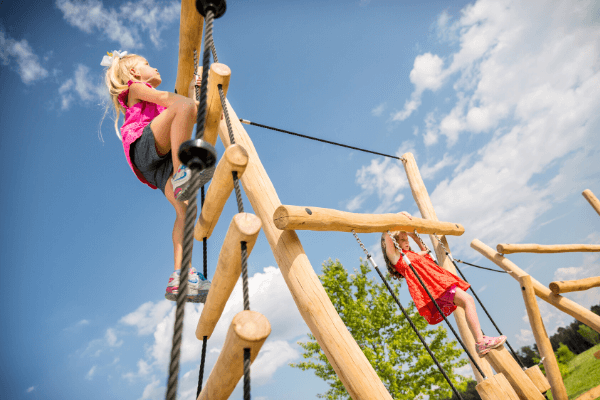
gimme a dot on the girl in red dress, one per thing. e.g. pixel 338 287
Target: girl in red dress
pixel 448 289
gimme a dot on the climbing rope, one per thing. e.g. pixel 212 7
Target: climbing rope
pixel 477 266
pixel 245 121
pixel 370 259
pixel 407 261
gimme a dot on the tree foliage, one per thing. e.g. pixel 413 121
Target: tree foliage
pixel 385 337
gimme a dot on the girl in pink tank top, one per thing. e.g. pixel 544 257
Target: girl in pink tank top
pixel 156 122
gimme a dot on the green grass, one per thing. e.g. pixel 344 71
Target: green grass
pixel 584 373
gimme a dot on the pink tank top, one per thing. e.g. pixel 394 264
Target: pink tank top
pixel 136 119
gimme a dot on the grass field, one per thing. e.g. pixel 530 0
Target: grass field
pixel 584 373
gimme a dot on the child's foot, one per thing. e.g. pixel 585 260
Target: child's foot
pixel 489 343
pixel 181 183
pixel 197 287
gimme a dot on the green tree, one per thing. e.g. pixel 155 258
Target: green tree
pixel 385 337
pixel 589 334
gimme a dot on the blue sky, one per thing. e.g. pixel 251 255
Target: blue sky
pixel 497 100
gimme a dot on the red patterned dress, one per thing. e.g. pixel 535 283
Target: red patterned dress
pixel 440 283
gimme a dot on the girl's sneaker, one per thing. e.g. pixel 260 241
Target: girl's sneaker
pixel 181 183
pixel 489 343
pixel 197 287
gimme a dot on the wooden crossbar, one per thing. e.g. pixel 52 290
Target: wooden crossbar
pixel 592 394
pixel 325 219
pixel 574 286
pixel 546 248
pixel 244 227
pixel 593 200
pixel 249 329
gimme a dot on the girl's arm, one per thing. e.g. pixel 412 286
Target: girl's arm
pixel 390 250
pixel 165 99
pixel 196 81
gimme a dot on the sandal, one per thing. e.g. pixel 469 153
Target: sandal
pixel 489 343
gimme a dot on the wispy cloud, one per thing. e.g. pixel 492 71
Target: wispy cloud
pixel 82 88
pixel 30 389
pixel 20 56
pixel 91 373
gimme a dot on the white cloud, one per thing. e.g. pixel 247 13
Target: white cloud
pixel 153 391
pixel 273 355
pixel 30 389
pixel 91 373
pixel 111 338
pixel 122 26
pixel 525 337
pixel 81 86
pixel 377 111
pixel 147 316
pixel 21 53
pixel 428 172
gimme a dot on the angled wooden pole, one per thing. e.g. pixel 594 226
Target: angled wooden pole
pixel 505 248
pixel 541 339
pixel 496 387
pixel 574 286
pixel 538 378
pixel 421 196
pixel 249 329
pixel 503 362
pixel 562 303
pixel 219 190
pixel 592 394
pixel 325 219
pixel 190 39
pixel 219 74
pixel 593 200
pixel 348 361
pixel 244 227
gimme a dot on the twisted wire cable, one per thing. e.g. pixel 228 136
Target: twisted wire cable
pixel 407 261
pixel 202 362
pixel 190 217
pixel 370 259
pixel 477 266
pixel 246 374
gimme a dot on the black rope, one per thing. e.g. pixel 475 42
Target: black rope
pixel 477 266
pixel 247 374
pixel 370 259
pixel 245 121
pixel 202 362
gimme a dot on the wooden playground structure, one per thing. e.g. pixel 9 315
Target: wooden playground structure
pixel 250 329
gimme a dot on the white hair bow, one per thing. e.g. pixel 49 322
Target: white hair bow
pixel 107 60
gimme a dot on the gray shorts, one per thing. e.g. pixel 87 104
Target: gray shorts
pixel 154 168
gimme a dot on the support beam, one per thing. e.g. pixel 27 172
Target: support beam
pixel 235 158
pixel 244 227
pixel 546 248
pixel 503 362
pixel 249 329
pixel 574 286
pixel 592 394
pixel 538 378
pixel 219 74
pixel 348 361
pixel 419 192
pixel 496 387
pixel 563 304
pixel 541 339
pixel 593 200
pixel 190 39
pixel 324 219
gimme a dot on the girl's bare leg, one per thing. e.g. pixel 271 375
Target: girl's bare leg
pixel 466 302
pixel 178 228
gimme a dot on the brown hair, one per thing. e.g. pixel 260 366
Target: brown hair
pixel 390 267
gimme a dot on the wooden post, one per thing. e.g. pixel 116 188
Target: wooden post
pixel 324 219
pixel 496 387
pixel 234 159
pixel 249 329
pixel 190 39
pixel 538 378
pixel 562 303
pixel 593 200
pixel 503 362
pixel 549 248
pixel 574 286
pixel 348 361
pixel 419 192
pixel 541 339
pixel 219 74
pixel 592 394
pixel 244 227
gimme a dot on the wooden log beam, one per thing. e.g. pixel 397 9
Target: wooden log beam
pixel 538 378
pixel 546 248
pixel 235 158
pixel 348 361
pixel 249 329
pixel 541 339
pixel 244 227
pixel 190 39
pixel 325 219
pixel 496 387
pixel 503 362
pixel 574 286
pixel 593 200
pixel 219 74
pixel 562 303
pixel 421 196
pixel 592 394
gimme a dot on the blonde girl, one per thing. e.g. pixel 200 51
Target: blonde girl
pixel 447 289
pixel 155 123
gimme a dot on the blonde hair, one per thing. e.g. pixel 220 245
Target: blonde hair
pixel 390 267
pixel 116 77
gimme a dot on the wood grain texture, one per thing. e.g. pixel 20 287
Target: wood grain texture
pixel 565 305
pixel 496 387
pixel 348 361
pixel 559 392
pixel 574 286
pixel 249 329
pixel 506 248
pixel 503 362
pixel 219 74
pixel 235 158
pixel 538 378
pixel 244 227
pixel 325 219
pixel 592 199
pixel 190 39
pixel 421 196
